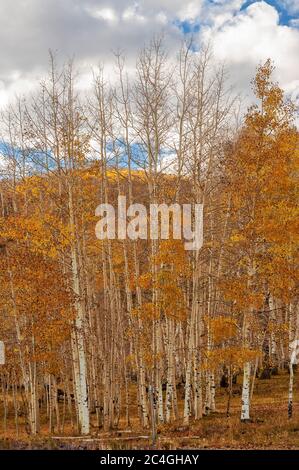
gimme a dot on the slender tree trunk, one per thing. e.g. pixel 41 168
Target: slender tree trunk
pixel 245 415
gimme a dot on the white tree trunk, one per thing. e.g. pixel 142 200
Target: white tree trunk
pixel 245 411
pixel 80 370
pixel 291 386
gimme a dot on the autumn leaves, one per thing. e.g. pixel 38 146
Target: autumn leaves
pixel 138 331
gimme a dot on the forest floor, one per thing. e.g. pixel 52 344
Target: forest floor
pixel 269 428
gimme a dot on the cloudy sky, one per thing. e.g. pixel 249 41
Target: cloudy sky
pixel 243 34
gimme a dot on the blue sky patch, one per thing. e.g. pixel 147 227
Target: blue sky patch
pixel 187 27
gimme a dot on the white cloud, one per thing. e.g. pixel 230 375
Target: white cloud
pixel 220 11
pixel 291 5
pixel 91 29
pixel 107 14
pixel 249 38
pixel 190 10
pixel 294 23
pixel 161 18
pixel 132 14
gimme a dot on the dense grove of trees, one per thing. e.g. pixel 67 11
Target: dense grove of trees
pixel 124 330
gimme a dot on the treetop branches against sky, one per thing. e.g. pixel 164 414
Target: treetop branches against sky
pixel 243 34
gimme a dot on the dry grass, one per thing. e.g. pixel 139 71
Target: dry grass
pixel 270 428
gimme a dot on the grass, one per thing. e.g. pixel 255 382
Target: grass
pixel 269 428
